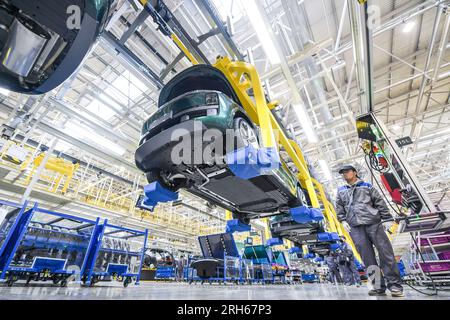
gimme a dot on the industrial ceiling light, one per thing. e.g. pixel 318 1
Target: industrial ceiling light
pixel 4 91
pixel 80 132
pixel 408 26
pixel 261 30
pixel 305 123
pixel 325 169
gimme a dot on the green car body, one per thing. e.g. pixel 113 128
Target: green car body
pixel 222 120
pixel 189 99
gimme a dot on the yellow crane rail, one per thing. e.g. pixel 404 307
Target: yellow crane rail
pixel 242 77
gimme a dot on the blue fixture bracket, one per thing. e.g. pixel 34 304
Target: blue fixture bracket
pixel 327 237
pixel 304 214
pixel 248 162
pixel 155 193
pixel 274 242
pixel 334 246
pixel 295 250
pixel 234 225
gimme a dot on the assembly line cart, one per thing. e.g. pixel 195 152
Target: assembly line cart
pixel 434 248
pixel 42 245
pixel 118 254
pixel 261 257
pixel 279 267
pixel 221 261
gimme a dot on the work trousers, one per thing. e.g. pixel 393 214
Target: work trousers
pixel 366 237
pixel 335 275
pixel 351 274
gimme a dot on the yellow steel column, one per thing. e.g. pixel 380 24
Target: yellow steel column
pixel 228 215
pixel 328 214
pixel 267 233
pixel 183 48
pixel 305 249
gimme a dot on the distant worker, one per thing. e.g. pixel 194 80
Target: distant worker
pixel 351 272
pixel 343 268
pixel 332 264
pixel 361 210
pixel 180 268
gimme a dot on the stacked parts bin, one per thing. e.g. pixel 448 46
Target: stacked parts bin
pixel 42 245
pixel 429 258
pixel 261 257
pixel 165 273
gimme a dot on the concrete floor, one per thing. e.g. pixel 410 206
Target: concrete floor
pixel 183 291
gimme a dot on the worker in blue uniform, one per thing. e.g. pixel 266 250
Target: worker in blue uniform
pixel 351 276
pixel 332 262
pixel 361 210
pixel 343 267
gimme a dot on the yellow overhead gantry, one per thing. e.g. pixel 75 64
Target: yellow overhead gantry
pixel 243 76
pixel 167 30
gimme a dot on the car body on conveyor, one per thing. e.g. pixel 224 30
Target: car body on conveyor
pixel 285 227
pixel 195 100
pixel 42 43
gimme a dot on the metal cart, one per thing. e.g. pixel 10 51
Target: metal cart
pixel 42 245
pixel 117 254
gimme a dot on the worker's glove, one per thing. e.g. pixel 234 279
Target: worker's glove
pixel 346 226
pixel 387 227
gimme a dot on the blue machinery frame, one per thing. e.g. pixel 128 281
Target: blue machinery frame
pixel 236 268
pixel 90 276
pixel 43 268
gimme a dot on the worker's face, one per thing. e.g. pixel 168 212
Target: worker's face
pixel 349 175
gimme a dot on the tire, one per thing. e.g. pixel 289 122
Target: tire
pixel 126 282
pixel 245 133
pixel 241 217
pixel 174 185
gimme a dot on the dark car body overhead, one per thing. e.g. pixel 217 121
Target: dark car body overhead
pixel 195 100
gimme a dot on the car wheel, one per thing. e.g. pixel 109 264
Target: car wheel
pixel 172 185
pixel 241 217
pixel 246 135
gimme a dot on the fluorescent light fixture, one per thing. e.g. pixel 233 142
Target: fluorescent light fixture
pixel 4 91
pixel 261 30
pixel 395 127
pixel 305 122
pixel 408 26
pixel 80 132
pixel 100 109
pixel 325 169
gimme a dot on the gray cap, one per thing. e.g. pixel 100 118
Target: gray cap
pixel 346 167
